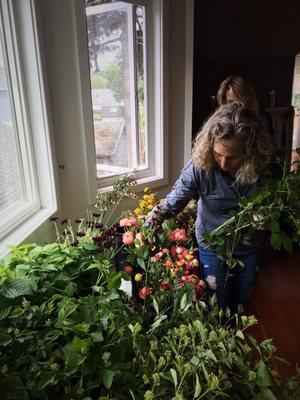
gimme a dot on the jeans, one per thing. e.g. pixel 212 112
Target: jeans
pixel 234 290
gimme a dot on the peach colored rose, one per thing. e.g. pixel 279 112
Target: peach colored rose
pixel 130 221
pixel 128 238
pixel 178 235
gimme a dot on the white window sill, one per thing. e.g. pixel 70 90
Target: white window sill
pixel 19 234
pixel 152 182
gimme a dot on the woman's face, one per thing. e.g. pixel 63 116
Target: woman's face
pixel 230 95
pixel 228 154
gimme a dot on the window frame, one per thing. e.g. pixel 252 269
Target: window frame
pixel 29 107
pixel 156 100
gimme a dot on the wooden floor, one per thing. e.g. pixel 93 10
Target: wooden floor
pixel 275 301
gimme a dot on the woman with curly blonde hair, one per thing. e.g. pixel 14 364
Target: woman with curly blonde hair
pixel 229 161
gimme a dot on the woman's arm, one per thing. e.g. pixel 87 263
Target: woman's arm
pixel 186 187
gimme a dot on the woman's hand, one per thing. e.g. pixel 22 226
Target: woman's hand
pixel 257 223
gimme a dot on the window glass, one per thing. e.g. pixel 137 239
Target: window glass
pixel 10 172
pixel 116 43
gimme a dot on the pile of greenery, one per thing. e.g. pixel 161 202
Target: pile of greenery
pixel 67 331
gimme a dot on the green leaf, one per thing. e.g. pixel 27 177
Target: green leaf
pixel 287 243
pixel 107 378
pixel 71 288
pixel 97 337
pixel 4 313
pixel 183 301
pixel 274 226
pixel 197 387
pixel 240 334
pixel 263 376
pixel 174 376
pixel 155 305
pixel 141 263
pixel 195 360
pixel 276 241
pixel 15 288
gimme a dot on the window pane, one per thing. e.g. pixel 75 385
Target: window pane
pixel 10 171
pixel 116 56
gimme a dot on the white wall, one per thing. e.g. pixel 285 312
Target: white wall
pixel 62 72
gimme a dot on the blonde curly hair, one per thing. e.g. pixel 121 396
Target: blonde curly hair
pixel 234 120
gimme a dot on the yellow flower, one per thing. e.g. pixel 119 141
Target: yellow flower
pixel 137 211
pixel 146 189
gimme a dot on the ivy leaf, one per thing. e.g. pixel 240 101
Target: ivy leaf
pixel 97 337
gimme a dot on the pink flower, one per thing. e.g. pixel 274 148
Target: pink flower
pixel 130 221
pixel 145 292
pixel 178 235
pixel 128 238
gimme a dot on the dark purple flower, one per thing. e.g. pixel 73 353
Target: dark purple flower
pixel 80 234
pixel 53 218
pixel 74 243
pixel 98 225
pixel 78 221
pixel 95 214
pixel 64 221
pixel 97 239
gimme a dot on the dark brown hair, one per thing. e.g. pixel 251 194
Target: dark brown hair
pixel 242 89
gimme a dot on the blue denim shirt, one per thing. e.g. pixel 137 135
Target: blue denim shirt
pixel 217 194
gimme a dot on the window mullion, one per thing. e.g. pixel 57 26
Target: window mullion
pixel 133 88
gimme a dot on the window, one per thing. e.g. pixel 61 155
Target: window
pixel 126 69
pixel 27 192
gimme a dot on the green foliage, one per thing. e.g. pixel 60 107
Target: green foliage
pixel 98 82
pixel 68 332
pixel 273 206
pixel 113 74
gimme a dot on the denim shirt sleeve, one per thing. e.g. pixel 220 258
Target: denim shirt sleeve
pixel 184 189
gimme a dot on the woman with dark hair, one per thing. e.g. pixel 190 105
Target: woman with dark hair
pixel 239 88
pixel 229 161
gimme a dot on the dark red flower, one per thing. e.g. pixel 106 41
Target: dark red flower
pixel 53 218
pixel 165 286
pixel 64 221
